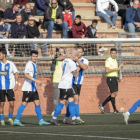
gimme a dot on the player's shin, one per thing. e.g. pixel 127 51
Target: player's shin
pixel 58 109
pixel 72 110
pixel 38 112
pixel 68 112
pixel 77 111
pixel 20 111
pixel 134 107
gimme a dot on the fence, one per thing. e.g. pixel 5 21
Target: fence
pixel 94 89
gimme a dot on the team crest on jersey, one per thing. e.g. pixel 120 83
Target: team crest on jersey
pixel 7 68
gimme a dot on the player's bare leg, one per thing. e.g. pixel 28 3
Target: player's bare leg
pixel 2 113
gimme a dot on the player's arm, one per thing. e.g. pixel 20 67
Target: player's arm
pixel 111 70
pixel 26 75
pixel 76 72
pixel 82 65
pixel 16 79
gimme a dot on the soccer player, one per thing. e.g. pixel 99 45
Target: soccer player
pixel 29 89
pixel 65 86
pixel 111 68
pixel 83 64
pixel 130 111
pixel 8 84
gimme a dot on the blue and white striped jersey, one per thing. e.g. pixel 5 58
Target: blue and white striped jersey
pixel 7 78
pixel 29 85
pixel 79 79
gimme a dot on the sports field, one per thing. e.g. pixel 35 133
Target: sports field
pixel 97 126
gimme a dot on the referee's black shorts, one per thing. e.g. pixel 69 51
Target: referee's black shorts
pixel 112 83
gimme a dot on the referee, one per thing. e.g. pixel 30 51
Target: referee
pixel 111 68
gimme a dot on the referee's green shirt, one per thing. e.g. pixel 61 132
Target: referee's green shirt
pixel 111 64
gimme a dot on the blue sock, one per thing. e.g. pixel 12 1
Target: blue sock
pixel 58 109
pixel 10 115
pixel 134 107
pixel 77 110
pixel 72 109
pixel 20 111
pixel 1 117
pixel 38 112
pixel 68 112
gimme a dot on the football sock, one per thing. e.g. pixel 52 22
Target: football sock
pixel 1 117
pixel 68 112
pixel 113 102
pixel 77 110
pixel 10 115
pixel 38 112
pixel 134 107
pixel 20 111
pixel 72 110
pixel 106 101
pixel 58 109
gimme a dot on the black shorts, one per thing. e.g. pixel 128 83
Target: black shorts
pixel 112 84
pixel 65 94
pixel 9 93
pixel 77 89
pixel 29 96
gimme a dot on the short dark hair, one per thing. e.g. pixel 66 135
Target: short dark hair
pixel 94 21
pixel 16 3
pixel 67 7
pixel 80 47
pixel 113 49
pixel 78 16
pixel 3 51
pixel 34 52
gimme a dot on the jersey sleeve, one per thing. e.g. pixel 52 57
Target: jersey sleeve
pixel 14 69
pixel 107 63
pixel 28 68
pixel 73 66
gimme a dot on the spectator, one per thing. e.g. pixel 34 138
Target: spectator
pixel 4 34
pixel 102 10
pixel 26 12
pixel 79 30
pixel 33 32
pixel 63 3
pixel 133 18
pixel 10 15
pixel 53 19
pixel 40 6
pixel 22 4
pixel 92 33
pixel 4 5
pixel 67 16
pixel 18 29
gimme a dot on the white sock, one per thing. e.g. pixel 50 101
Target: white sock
pixel 127 113
pixel 78 118
pixel 73 118
pixel 54 118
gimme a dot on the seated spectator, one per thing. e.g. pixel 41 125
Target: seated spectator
pixel 10 15
pixel 79 30
pixel 33 32
pixel 4 34
pixel 40 6
pixel 22 4
pixel 26 12
pixel 67 16
pixel 4 5
pixel 63 3
pixel 92 33
pixel 53 19
pixel 132 18
pixel 102 9
pixel 18 29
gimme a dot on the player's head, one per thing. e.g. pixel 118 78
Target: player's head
pixel 94 23
pixel 113 53
pixel 34 55
pixel 61 50
pixel 73 53
pixel 3 53
pixel 80 50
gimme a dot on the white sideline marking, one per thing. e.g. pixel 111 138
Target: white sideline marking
pixel 66 135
